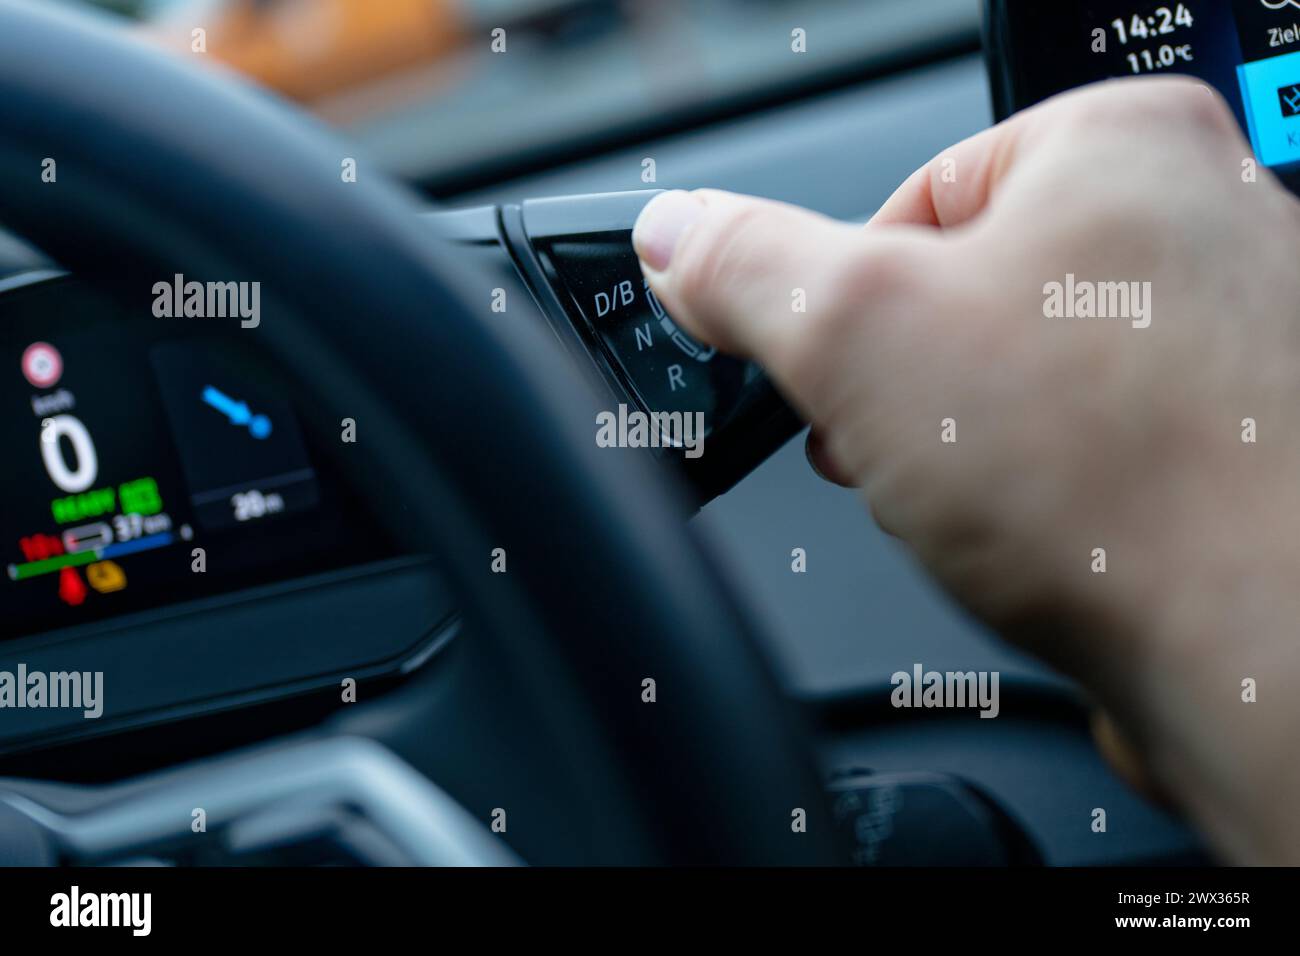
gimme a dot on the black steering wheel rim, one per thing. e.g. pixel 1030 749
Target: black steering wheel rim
pixel 484 440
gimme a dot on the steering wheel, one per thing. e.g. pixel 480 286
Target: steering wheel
pixel 476 431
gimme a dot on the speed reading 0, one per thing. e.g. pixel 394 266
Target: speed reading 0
pixel 85 467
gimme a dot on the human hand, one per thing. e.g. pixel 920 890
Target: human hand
pixel 1006 446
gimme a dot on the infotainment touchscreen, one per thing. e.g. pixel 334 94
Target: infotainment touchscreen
pixel 1248 49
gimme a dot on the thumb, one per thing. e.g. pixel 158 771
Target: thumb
pixel 771 282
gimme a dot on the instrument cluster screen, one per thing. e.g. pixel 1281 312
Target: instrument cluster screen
pixel 145 465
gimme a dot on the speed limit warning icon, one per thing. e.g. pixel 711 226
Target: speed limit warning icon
pixel 42 365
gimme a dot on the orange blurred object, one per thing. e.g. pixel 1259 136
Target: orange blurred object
pixel 308 49
pixel 106 576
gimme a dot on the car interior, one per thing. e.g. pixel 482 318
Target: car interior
pixel 340 570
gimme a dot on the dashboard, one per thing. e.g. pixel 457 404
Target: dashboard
pixel 156 458
pixel 152 461
pixel 181 515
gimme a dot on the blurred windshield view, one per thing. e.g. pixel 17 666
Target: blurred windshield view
pixel 451 93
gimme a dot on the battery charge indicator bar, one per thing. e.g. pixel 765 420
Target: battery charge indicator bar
pixel 32 569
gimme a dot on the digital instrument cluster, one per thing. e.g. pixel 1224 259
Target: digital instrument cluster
pixel 146 462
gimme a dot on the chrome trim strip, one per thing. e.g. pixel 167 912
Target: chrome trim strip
pixel 143 816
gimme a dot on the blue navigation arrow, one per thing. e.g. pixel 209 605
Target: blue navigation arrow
pixel 259 426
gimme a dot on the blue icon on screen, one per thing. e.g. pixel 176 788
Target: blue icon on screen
pixel 238 413
pixel 1267 85
pixel 1289 97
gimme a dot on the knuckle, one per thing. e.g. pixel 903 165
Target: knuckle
pixel 1195 102
pixel 1140 104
